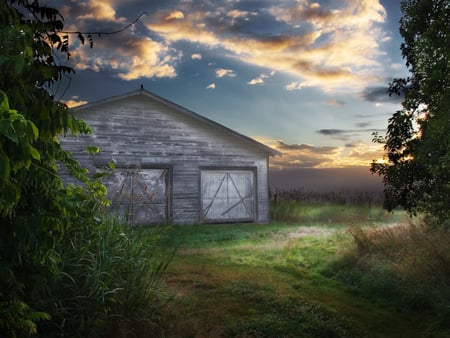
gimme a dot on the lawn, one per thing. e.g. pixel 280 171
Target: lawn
pixel 275 280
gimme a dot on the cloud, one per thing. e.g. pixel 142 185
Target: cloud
pixel 151 60
pixel 236 13
pixel 397 66
pixel 362 124
pixel 196 56
pixel 332 132
pixel 255 81
pixel 176 15
pixel 128 55
pixel 306 147
pixel 260 79
pixel 99 10
pixel 74 102
pixel 380 95
pixel 221 72
pixel 324 47
pixel 335 102
pixel 296 86
pixel 347 134
pixel 301 156
pixel 211 86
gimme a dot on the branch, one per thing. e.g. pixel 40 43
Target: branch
pixel 108 33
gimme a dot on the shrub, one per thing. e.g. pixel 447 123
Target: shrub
pixel 109 282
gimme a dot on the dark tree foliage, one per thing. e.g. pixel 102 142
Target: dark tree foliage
pixel 36 208
pixel 417 143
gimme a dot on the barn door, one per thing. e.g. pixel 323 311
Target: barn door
pixel 227 195
pixel 141 196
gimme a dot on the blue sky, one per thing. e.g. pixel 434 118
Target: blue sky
pixel 308 78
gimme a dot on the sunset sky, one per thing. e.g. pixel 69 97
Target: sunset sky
pixel 308 78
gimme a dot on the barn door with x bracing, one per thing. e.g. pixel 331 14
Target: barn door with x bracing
pixel 140 196
pixel 227 195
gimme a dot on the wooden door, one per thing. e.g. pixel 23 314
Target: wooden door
pixel 140 196
pixel 227 195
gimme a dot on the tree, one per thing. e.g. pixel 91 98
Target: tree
pixel 416 172
pixel 36 208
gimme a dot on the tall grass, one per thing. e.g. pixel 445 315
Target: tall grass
pixel 407 265
pixel 109 283
pixel 295 212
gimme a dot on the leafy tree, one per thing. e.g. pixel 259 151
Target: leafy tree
pixel 416 172
pixel 36 208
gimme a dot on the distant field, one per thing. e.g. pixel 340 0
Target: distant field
pixel 276 280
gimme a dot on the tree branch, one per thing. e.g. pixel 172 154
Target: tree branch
pixel 108 33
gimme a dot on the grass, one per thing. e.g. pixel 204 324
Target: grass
pixel 276 280
pixel 408 264
pixel 109 283
pixel 294 212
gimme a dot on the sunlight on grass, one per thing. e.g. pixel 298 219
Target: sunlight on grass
pixel 272 280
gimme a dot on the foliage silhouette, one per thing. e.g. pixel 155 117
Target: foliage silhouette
pixel 417 145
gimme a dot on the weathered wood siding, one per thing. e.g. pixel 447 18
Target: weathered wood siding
pixel 140 132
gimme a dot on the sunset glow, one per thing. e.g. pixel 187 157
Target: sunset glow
pixel 308 78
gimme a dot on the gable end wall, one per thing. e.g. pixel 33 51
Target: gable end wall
pixel 140 132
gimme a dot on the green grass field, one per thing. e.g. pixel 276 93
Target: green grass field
pixel 276 280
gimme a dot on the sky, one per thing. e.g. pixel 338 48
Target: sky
pixel 308 78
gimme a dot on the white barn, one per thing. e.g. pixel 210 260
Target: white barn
pixel 173 165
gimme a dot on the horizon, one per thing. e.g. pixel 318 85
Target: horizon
pixel 351 179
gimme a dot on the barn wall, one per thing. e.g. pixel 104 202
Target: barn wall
pixel 139 131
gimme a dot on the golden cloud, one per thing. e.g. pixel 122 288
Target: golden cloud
pixel 133 59
pixel 151 60
pixel 330 48
pixel 176 15
pixel 332 54
pixel 311 156
pixel 99 10
pixel 255 81
pixel 221 72
pixel 74 102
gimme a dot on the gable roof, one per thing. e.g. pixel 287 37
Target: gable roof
pixel 262 147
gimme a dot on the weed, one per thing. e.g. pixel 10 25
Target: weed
pixel 406 265
pixel 109 282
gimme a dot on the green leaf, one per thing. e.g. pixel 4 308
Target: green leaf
pixel 4 104
pixel 5 167
pixel 34 152
pixel 34 130
pixel 93 150
pixel 111 165
pixel 18 67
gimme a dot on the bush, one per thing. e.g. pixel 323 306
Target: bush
pixel 109 282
